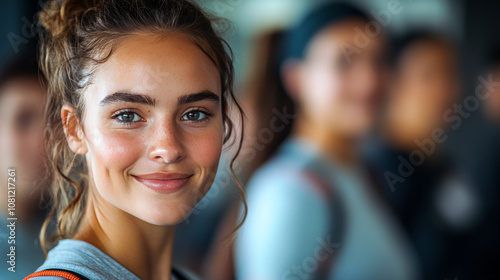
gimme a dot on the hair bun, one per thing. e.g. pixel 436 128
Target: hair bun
pixel 60 16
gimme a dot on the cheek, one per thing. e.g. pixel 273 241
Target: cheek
pixel 205 148
pixel 111 153
pixel 323 89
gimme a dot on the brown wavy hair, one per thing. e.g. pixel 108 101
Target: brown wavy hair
pixel 79 35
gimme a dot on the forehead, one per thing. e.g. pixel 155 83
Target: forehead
pixel 426 52
pixel 350 35
pixel 157 65
pixel 25 90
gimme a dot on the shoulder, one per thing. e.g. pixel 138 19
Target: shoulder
pixel 281 184
pixel 84 259
pixel 285 218
pixel 53 275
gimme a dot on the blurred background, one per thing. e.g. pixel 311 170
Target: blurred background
pixel 472 143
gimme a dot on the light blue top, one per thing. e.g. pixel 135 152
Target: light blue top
pixel 85 259
pixel 286 233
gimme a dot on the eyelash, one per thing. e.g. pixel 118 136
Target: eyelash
pixel 115 116
pixel 207 117
pixel 122 112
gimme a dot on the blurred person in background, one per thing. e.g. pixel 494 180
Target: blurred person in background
pixel 431 198
pixel 314 212
pixel 22 101
pixel 269 110
pixel 265 104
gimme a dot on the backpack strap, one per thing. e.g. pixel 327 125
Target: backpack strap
pixel 337 227
pixel 74 276
pixel 58 273
pixel 334 202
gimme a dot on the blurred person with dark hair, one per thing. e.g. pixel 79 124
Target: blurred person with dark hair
pixel 264 101
pixel 22 101
pixel 430 196
pixel 314 212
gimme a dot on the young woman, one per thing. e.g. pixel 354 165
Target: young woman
pixel 313 211
pixel 139 94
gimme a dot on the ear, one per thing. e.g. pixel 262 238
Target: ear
pixel 73 130
pixel 290 74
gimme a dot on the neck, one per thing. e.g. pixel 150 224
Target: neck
pixel 142 248
pixel 334 144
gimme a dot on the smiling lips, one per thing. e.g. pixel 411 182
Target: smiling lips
pixel 163 182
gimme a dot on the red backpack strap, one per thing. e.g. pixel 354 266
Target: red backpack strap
pixel 58 273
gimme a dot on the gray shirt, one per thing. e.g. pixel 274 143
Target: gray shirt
pixel 85 259
pixel 287 231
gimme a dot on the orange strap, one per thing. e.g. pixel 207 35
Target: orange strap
pixel 58 273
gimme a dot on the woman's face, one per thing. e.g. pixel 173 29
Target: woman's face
pixel 152 126
pixel 343 76
pixel 427 71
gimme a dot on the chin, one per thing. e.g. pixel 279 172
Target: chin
pixel 163 222
pixel 170 216
pixel 359 129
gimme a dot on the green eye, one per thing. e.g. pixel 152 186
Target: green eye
pixel 194 116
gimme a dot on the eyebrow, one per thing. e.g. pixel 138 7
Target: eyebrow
pixel 203 95
pixel 144 99
pixel 128 97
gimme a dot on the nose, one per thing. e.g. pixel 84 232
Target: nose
pixel 166 145
pixel 368 80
